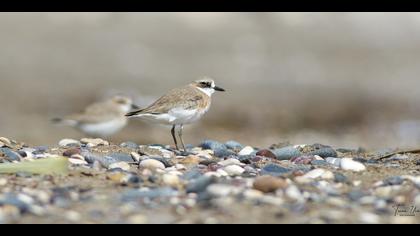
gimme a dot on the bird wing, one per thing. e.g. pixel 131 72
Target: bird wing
pixel 96 112
pixel 186 98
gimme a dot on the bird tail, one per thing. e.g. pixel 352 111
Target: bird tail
pixel 61 121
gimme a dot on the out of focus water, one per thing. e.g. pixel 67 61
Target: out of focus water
pixel 346 79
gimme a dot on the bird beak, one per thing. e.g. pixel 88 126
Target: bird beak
pixel 134 107
pixel 218 89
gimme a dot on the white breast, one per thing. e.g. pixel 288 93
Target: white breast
pixel 103 129
pixel 176 116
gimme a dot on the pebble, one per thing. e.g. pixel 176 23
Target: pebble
pixel 234 170
pixel 266 153
pixel 3 181
pixel 369 218
pixel 136 157
pixel 333 161
pixel 199 184
pixel 137 219
pixel 319 173
pixel 10 155
pixel 228 162
pixel 171 180
pixel 222 190
pixel 246 151
pixel 72 151
pixel 286 153
pixel 394 180
pixel 349 164
pixel 5 142
pixel 93 142
pixel 121 157
pixel 69 143
pixel 233 145
pixel 274 170
pixel 152 164
pixel 294 193
pixel 77 161
pixel 340 178
pixel 121 165
pixel 219 149
pixel 324 152
pixel 269 183
pixel 129 144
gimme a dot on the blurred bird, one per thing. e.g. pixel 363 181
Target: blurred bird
pixel 101 119
pixel 180 106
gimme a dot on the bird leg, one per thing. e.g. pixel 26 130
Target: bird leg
pixel 174 137
pixel 180 136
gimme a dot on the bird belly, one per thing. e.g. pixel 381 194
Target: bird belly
pixel 103 129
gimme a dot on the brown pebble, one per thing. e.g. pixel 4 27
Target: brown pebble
pixel 71 152
pixel 268 183
pixel 266 153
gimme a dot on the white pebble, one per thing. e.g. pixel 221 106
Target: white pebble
pixel 68 142
pixel 122 165
pixel 152 164
pixel 3 181
pixel 293 192
pixel 234 170
pixel 369 218
pixel 333 161
pixel 171 180
pixel 222 190
pixel 76 161
pixel 93 142
pixel 246 151
pixel 350 164
pixel 136 157
pixel 228 162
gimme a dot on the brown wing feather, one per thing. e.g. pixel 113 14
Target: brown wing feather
pixel 186 97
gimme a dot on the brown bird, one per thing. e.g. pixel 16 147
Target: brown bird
pixel 180 106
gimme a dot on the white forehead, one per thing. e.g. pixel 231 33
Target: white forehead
pixel 207 80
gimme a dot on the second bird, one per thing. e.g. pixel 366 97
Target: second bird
pixel 101 119
pixel 180 106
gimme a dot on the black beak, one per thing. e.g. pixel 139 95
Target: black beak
pixel 218 89
pixel 134 107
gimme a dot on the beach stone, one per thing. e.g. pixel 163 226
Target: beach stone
pixel 266 153
pixel 10 155
pixel 200 184
pixel 153 151
pixel 286 153
pixel 222 190
pixel 319 173
pixel 152 164
pixel 69 143
pixel 5 142
pixel 219 149
pixel 340 178
pixel 324 152
pixel 274 170
pixel 171 180
pixel 72 151
pixel 319 163
pixel 233 145
pixel 136 194
pixel 269 183
pixel 129 144
pixel 93 142
pixel 333 161
pixel 121 157
pixel 136 157
pixel 234 170
pixel 302 160
pixel 77 161
pixel 228 162
pixel 246 151
pixel 394 180
pixel 121 165
pixel 349 164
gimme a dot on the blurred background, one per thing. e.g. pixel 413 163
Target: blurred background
pixel 344 79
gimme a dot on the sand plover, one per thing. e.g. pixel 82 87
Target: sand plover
pixel 180 106
pixel 101 119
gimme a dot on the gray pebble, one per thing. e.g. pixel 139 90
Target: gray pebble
pixel 274 170
pixel 324 152
pixel 286 153
pixel 10 155
pixel 233 145
pixel 129 144
pixel 340 178
pixel 200 184
pixel 394 180
pixel 319 163
pixel 136 194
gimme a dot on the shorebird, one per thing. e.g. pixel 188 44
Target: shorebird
pixel 101 119
pixel 180 106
